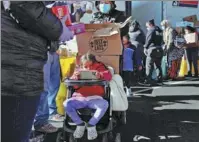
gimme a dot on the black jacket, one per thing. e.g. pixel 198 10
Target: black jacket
pixel 24 46
pixel 114 16
pixel 153 38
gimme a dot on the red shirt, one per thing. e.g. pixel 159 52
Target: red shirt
pixel 96 90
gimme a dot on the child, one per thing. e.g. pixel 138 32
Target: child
pixel 67 65
pixel 88 97
pixel 130 59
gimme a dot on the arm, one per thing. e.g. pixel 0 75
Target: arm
pixel 35 17
pixel 104 73
pixel 149 39
pixel 171 39
pixel 138 57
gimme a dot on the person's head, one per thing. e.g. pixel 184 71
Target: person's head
pixel 134 26
pixel 87 60
pixel 150 24
pixel 125 39
pixel 165 24
pixel 105 6
pixel 64 51
pixel 189 29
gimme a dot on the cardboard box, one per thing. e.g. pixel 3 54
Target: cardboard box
pixel 112 61
pixel 100 39
pixel 192 18
pixel 192 40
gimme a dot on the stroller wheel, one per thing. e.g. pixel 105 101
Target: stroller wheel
pixel 60 137
pixel 105 138
pixel 72 139
pixel 118 138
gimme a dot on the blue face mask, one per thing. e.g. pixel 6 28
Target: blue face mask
pixel 105 8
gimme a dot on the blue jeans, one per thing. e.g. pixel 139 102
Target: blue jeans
pixel 51 86
pixel 53 71
pixel 17 114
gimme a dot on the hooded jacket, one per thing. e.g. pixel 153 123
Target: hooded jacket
pixel 24 46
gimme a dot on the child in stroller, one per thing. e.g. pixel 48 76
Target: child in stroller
pixel 88 97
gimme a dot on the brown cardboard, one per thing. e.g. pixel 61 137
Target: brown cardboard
pixel 192 18
pixel 100 39
pixel 112 61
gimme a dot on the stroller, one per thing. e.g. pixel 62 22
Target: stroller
pixel 105 126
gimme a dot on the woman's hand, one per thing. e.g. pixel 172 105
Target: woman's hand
pixel 98 75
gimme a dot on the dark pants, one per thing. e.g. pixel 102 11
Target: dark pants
pixel 154 57
pixel 17 117
pixel 128 77
pixel 192 57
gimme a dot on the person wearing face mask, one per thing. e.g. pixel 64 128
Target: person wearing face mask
pixel 153 51
pixel 192 54
pixel 172 54
pixel 107 13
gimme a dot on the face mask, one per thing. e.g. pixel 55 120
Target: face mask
pixel 105 8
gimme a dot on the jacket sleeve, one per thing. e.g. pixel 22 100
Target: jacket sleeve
pixel 35 17
pixel 138 57
pixel 171 38
pixel 149 39
pixel 104 73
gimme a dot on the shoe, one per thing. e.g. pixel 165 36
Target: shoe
pixel 48 128
pixel 188 75
pixel 57 118
pixel 92 133
pixel 79 132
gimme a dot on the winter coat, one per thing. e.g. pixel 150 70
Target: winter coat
pixel 24 46
pixel 86 91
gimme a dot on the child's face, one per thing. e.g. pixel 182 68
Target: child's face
pixel 125 40
pixel 87 65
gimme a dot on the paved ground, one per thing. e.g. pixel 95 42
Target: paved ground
pixel 175 109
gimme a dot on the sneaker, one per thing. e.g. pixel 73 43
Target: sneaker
pixel 92 133
pixel 79 132
pixel 48 128
pixel 57 118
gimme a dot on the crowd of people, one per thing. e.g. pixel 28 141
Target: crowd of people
pixel 157 56
pixel 31 34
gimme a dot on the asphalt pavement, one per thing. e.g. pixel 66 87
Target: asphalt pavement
pixel 167 113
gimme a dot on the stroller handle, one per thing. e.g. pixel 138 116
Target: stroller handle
pixel 71 83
